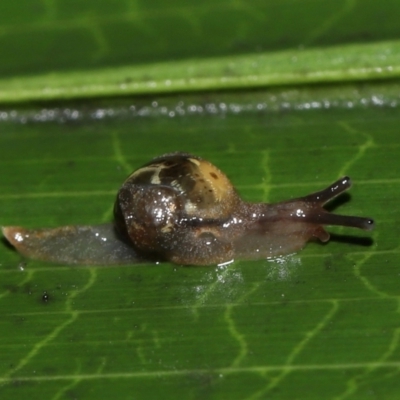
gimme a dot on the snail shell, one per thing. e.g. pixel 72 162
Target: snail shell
pixel 177 200
pixel 183 209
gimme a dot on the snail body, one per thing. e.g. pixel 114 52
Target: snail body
pixel 183 209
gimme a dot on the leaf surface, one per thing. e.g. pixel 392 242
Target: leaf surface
pixel 320 324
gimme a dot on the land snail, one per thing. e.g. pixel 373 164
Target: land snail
pixel 181 208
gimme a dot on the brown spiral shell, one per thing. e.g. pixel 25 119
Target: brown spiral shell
pixel 173 199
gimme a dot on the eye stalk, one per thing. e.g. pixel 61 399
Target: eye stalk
pixel 314 212
pixel 181 208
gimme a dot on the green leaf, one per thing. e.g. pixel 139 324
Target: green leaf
pixel 343 63
pixel 44 36
pixel 320 324
pixel 327 316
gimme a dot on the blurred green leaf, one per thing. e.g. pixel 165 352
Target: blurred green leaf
pixel 320 324
pixel 43 36
pixel 336 64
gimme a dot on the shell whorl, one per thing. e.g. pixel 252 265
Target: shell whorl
pixel 206 191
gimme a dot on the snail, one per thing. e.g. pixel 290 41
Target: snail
pixel 181 208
